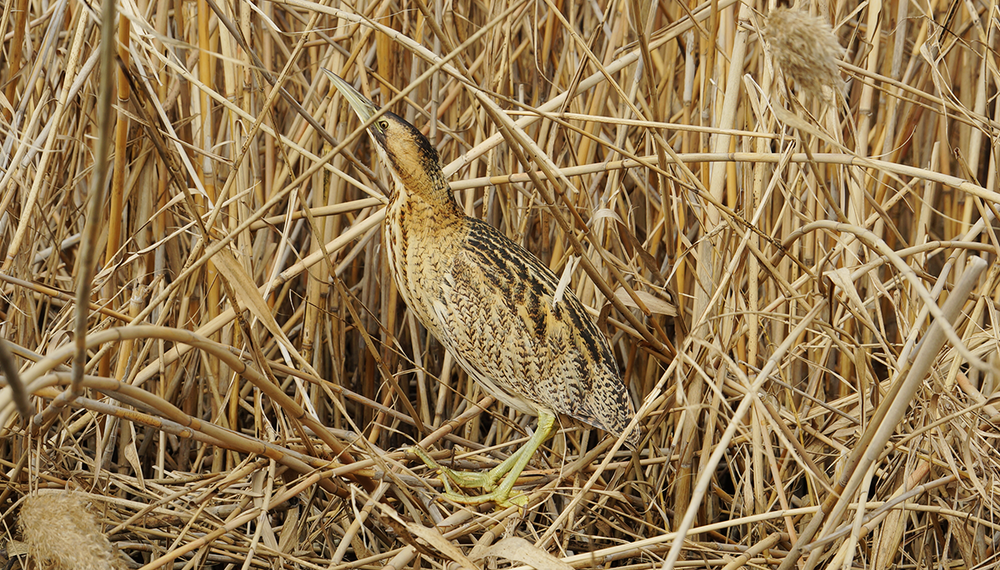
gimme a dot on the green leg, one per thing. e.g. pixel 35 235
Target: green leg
pixel 511 467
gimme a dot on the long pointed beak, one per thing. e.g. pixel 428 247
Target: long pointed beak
pixel 361 104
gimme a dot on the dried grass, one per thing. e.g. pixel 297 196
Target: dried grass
pixel 248 375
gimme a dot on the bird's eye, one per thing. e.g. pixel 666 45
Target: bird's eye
pixel 383 125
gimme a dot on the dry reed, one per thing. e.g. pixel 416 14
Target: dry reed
pixel 774 275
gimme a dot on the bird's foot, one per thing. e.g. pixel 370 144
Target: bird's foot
pixel 468 479
pixel 473 480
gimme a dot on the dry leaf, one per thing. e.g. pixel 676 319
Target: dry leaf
pixel 431 536
pixel 656 305
pixel 517 549
pixel 248 295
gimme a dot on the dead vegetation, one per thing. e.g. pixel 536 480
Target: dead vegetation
pixel 784 254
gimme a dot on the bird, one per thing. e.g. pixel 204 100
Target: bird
pixel 492 304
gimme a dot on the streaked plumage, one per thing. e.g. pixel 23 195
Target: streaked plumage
pixel 490 301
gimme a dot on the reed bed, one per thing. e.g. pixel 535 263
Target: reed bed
pixel 787 225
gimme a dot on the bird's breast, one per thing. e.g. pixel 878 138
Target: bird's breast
pixel 420 244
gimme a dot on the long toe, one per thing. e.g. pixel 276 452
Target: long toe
pixel 467 479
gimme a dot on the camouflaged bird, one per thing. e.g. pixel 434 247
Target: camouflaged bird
pixel 491 303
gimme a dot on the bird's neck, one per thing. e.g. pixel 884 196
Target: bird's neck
pixel 426 194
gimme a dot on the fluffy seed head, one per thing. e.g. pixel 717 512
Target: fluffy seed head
pixel 62 534
pixel 805 48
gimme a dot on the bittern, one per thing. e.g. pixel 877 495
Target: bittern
pixel 492 304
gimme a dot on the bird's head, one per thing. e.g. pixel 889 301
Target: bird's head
pixel 404 150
